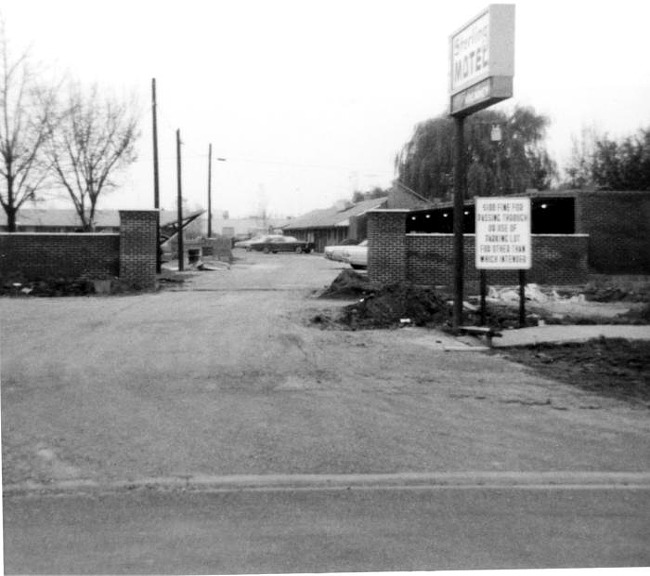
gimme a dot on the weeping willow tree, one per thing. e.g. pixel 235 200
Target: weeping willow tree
pixel 505 155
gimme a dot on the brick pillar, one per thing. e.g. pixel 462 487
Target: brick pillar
pixel 387 246
pixel 138 248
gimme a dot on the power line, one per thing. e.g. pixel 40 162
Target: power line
pixel 193 153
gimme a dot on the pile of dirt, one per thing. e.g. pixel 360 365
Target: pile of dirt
pixel 60 287
pixel 348 285
pixel 48 288
pixel 639 315
pixel 391 306
pixel 603 292
pixel 502 316
pixel 613 367
pixel 397 305
pixel 380 306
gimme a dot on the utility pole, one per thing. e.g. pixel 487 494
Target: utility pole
pixel 460 183
pixel 179 205
pixel 210 191
pixel 156 185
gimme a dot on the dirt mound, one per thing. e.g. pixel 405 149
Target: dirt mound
pixel 397 305
pixel 502 317
pixel 350 284
pixel 612 367
pixel 621 291
pixel 48 287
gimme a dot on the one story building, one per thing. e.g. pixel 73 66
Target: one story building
pixel 60 220
pixel 331 226
pixel 66 220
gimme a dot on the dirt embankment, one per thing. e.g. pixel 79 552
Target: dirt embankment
pixel 613 367
pixel 390 306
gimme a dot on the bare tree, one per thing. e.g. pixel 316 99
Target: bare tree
pixel 26 110
pixel 93 138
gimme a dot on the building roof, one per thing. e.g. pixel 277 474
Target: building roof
pixel 60 218
pixel 246 225
pixel 68 218
pixel 335 216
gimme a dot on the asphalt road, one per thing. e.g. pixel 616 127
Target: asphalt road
pixel 261 531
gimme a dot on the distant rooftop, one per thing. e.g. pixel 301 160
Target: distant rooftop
pixel 68 218
pixel 337 215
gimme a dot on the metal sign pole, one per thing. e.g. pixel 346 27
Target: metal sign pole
pixel 460 180
pixel 522 298
pixel 210 191
pixel 483 288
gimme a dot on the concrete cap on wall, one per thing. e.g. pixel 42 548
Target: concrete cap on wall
pixel 389 210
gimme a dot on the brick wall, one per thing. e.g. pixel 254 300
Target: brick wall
pixel 618 224
pixel 428 259
pixel 40 256
pixel 557 259
pixel 138 247
pixel 386 236
pixel 131 254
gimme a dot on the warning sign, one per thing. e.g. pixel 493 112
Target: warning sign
pixel 503 233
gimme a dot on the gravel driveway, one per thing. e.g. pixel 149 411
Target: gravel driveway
pixel 224 375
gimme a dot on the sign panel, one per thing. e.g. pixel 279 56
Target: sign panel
pixel 481 95
pixel 480 50
pixel 503 239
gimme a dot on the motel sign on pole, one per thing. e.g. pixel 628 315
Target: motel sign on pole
pixel 481 70
pixel 482 60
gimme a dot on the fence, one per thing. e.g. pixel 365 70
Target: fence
pixel 428 259
pixel 131 254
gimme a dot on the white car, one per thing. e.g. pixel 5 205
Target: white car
pixel 336 252
pixel 357 256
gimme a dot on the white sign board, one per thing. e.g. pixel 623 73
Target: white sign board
pixel 483 49
pixel 503 238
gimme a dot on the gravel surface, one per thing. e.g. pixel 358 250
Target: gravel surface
pixel 224 374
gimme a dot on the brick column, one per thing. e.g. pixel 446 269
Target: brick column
pixel 138 248
pixel 387 246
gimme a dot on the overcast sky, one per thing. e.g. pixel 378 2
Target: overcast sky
pixel 309 100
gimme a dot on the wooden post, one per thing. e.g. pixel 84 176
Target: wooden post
pixel 179 204
pixel 156 180
pixel 210 191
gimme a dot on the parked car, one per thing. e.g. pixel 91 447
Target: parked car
pixel 357 256
pixel 336 252
pixel 282 244
pixel 255 239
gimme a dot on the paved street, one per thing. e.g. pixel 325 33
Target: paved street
pixel 321 530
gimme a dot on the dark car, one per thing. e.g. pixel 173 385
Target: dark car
pixel 282 244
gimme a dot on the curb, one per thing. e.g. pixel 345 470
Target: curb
pixel 281 482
